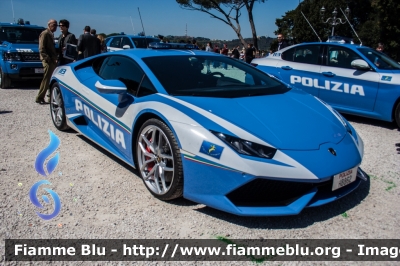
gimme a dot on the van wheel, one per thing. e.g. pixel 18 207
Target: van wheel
pixel 5 81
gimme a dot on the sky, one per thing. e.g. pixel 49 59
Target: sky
pixel 163 17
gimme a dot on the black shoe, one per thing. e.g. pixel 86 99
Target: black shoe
pixel 41 101
pixel 398 149
pixel 397 144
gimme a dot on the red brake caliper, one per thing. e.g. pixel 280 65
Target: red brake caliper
pixel 151 164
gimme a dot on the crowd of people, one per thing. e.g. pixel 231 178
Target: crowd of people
pixel 88 44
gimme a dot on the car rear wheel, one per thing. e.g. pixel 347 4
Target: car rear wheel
pixel 57 109
pixel 159 161
pixel 5 81
pixel 397 115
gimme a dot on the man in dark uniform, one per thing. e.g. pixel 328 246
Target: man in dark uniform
pixel 98 44
pixel 65 37
pixel 48 55
pixel 87 44
pixel 235 52
pixel 249 53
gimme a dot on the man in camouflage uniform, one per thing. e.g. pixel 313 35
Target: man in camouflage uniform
pixel 48 55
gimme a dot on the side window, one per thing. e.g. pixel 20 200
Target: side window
pixel 137 43
pixel 289 55
pixel 146 88
pixel 123 69
pixel 115 42
pixel 126 41
pixel 307 54
pixel 341 57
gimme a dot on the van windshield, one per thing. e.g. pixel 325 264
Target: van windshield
pixel 19 34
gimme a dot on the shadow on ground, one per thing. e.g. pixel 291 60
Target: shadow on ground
pixel 33 84
pixel 5 112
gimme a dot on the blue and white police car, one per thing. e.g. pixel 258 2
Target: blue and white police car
pixel 121 42
pixel 351 78
pixel 235 139
pixel 19 48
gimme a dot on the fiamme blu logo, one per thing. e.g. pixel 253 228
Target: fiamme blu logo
pixel 40 165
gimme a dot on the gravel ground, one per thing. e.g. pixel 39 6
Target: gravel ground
pixel 103 198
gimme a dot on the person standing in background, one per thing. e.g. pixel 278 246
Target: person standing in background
pixel 48 56
pixel 282 43
pixel 208 62
pixel 235 52
pixel 87 44
pixel 249 53
pixel 64 38
pixel 98 45
pixel 103 46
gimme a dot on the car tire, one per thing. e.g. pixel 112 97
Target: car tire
pixel 5 81
pixel 57 109
pixel 397 114
pixel 158 160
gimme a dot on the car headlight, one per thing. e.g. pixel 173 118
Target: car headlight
pixel 12 56
pixel 246 147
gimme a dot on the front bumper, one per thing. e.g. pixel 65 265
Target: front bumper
pixel 246 195
pixel 17 70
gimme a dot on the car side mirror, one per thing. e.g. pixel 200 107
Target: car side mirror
pixel 360 64
pixel 126 47
pixel 111 86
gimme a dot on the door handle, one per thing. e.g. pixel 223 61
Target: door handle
pixel 328 74
pixel 286 68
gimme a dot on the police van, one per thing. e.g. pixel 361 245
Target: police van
pixel 353 79
pixel 122 41
pixel 19 48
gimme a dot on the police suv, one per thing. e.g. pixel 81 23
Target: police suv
pixel 19 48
pixel 353 79
pixel 121 42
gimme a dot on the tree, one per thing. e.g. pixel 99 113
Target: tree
pixel 387 24
pixel 374 21
pixel 294 24
pixel 229 12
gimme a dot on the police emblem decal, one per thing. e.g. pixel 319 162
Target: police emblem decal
pixel 211 149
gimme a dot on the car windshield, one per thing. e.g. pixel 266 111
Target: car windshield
pixel 379 59
pixel 143 42
pixel 212 76
pixel 19 34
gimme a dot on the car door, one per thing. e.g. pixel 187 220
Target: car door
pixel 300 66
pixel 109 115
pixel 126 42
pixel 114 44
pixel 347 88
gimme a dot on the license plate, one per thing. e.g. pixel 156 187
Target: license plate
pixel 345 178
pixel 39 70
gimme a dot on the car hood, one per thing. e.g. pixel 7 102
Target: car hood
pixel 21 47
pixel 293 120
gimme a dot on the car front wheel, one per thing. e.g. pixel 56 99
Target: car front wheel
pixel 57 109
pixel 159 161
pixel 5 81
